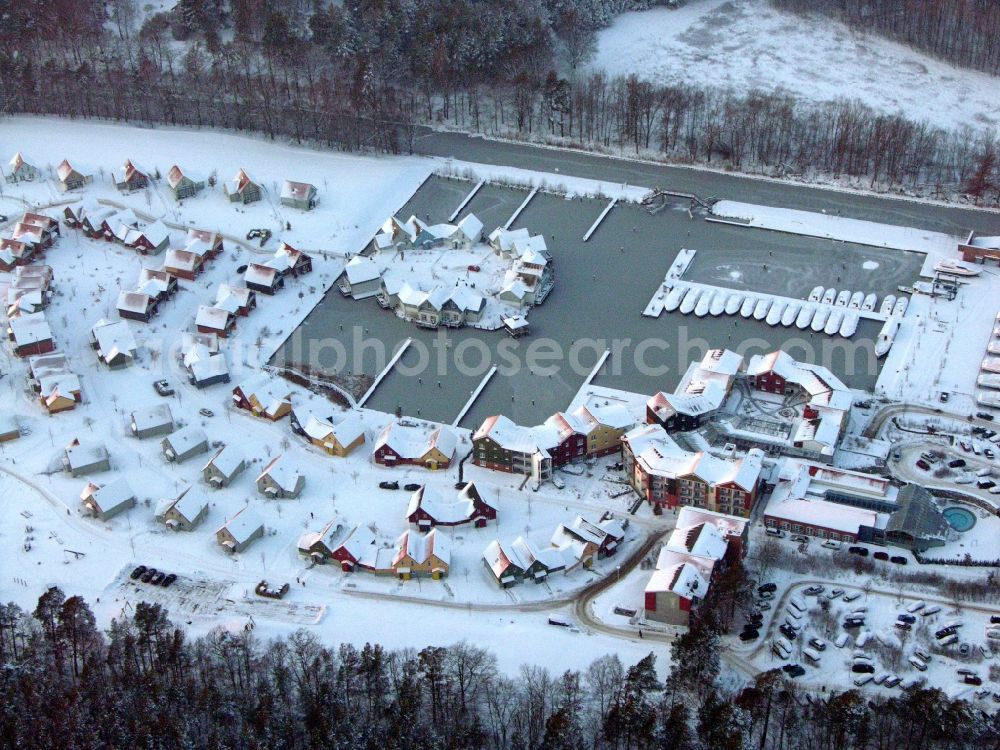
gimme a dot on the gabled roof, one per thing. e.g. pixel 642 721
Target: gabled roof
pixel 189 504
pixel 421 547
pixel 284 474
pixel 137 302
pixel 84 453
pixel 471 227
pixel 226 460
pixel 30 329
pixel 243 525
pixel 299 191
pixel 360 269
pixel 152 416
pixel 413 442
pixel 213 317
pixel 240 182
pixel 186 438
pixel 112 495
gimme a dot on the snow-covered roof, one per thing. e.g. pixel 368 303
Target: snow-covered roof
pixel 682 578
pixel 299 191
pixel 240 182
pixel 212 317
pixel 190 503
pixel 413 442
pixel 30 329
pixel 65 169
pixel 114 338
pixel 471 227
pixel 259 274
pixel 284 473
pixel 81 453
pixel 702 539
pixel 421 547
pixel 243 525
pixel 116 493
pixel 152 416
pixel 137 302
pixel 186 438
pixel 433 503
pixel 206 368
pixel 227 460
pixel 201 241
pixel 184 260
pixel 360 269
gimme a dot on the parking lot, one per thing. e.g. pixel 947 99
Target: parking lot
pixel 826 634
pixel 189 598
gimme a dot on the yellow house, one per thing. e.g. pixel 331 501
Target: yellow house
pixel 605 422
pixel 440 449
pixel 422 555
pixel 336 439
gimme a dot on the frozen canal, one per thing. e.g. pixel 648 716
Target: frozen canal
pixel 601 289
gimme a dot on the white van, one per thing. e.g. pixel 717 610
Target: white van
pixel 917 662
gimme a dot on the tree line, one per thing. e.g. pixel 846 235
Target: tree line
pixel 964 32
pixel 367 74
pixel 64 683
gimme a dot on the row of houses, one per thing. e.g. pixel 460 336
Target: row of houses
pixel 154 287
pixel 268 277
pixel 591 430
pixel 702 544
pixel 413 555
pixel 576 544
pixel 26 241
pixel 121 226
pixel 130 178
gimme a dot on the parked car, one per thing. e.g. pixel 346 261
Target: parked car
pixel 994 619
pixel 972 679
pixel 412 487
pixel 965 671
pixel 898 560
pixel 765 594
pixel 918 663
pixel 985 484
pixel 860 551
pixel 767 587
pixel 893 681
pixel 881 555
pixel 157 578
pixel 906 618
pixel 988 452
pixel 814 590
pixel 921 464
pixel 137 573
pixel 474 267
pixel 389 485
pixel 148 575
pixel 964 446
pixel 957 463
pixel 774 532
pixel 862 668
pixel 169 579
pixel 834 593
pixel 903 625
pixel 985 415
pixel 943 397
pixel 831 544
pixel 749 635
pixel 206 412
pixel 800 538
pixel 852 596
pixel 931 610
pixel 817 644
pixel 853 622
pixel 163 388
pixel 788 632
pixel 762 605
pixel 794 670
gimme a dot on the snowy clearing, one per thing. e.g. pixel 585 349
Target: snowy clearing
pixel 748 45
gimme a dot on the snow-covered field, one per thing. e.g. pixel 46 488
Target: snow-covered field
pixel 747 44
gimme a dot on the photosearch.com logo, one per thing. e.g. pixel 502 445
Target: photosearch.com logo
pixel 473 354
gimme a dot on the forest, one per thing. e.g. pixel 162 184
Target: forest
pixel 963 32
pixel 368 74
pixel 64 683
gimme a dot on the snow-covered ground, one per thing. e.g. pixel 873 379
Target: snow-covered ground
pixel 93 558
pixel 747 45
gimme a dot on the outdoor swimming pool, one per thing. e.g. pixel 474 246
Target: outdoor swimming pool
pixel 960 519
